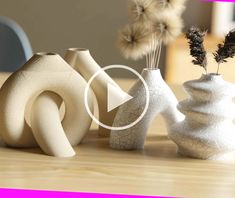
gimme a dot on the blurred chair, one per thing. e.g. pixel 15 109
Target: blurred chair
pixel 179 67
pixel 15 48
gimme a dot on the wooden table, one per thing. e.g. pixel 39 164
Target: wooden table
pixel 157 170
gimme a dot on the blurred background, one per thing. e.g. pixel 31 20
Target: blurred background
pixel 56 25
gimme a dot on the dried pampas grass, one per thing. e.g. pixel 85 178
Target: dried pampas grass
pixel 134 41
pixel 176 6
pixel 167 27
pixel 142 10
pixel 154 23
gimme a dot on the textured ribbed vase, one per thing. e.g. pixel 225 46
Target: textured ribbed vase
pixel 162 101
pixel 82 61
pixel 39 88
pixel 208 131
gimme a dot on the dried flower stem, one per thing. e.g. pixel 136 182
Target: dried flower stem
pixel 159 54
pixel 154 45
pixel 153 57
pixel 147 61
pixel 225 50
pixel 218 68
pixel 151 53
pixel 156 51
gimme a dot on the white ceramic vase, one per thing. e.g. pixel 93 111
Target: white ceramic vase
pixel 82 61
pixel 162 101
pixel 30 101
pixel 208 131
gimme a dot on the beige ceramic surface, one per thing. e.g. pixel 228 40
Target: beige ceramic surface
pixel 44 72
pixel 82 61
pixel 155 171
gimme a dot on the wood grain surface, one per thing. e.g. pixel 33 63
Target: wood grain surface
pixel 156 170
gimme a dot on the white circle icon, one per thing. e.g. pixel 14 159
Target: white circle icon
pixel 112 104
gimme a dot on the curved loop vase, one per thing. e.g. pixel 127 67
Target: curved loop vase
pixel 82 61
pixel 39 88
pixel 208 131
pixel 162 100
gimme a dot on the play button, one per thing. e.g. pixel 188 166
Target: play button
pixel 116 97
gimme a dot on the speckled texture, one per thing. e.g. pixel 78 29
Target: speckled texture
pixel 208 131
pixel 162 100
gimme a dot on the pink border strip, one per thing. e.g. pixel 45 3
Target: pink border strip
pixel 219 0
pixel 48 194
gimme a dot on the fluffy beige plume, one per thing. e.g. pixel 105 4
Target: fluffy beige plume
pixel 167 27
pixel 142 10
pixel 169 6
pixel 134 41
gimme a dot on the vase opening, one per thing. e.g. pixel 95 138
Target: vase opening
pixel 46 54
pixel 211 76
pixel 151 69
pixel 78 49
pixel 214 74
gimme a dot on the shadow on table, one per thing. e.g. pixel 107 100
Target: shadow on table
pixel 155 146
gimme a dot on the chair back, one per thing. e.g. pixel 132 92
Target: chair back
pixel 15 48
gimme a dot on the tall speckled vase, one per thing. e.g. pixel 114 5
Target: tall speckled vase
pixel 162 101
pixel 208 131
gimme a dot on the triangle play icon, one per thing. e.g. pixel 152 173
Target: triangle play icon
pixel 116 97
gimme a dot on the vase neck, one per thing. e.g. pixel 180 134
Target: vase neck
pixel 73 54
pixel 80 59
pixel 148 73
pixel 211 77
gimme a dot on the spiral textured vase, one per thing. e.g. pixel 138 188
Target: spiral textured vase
pixel 39 88
pixel 162 100
pixel 82 61
pixel 208 131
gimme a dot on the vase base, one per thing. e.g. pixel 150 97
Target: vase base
pixel 230 156
pixel 125 146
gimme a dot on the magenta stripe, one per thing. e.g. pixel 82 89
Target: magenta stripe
pixel 50 194
pixel 219 0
